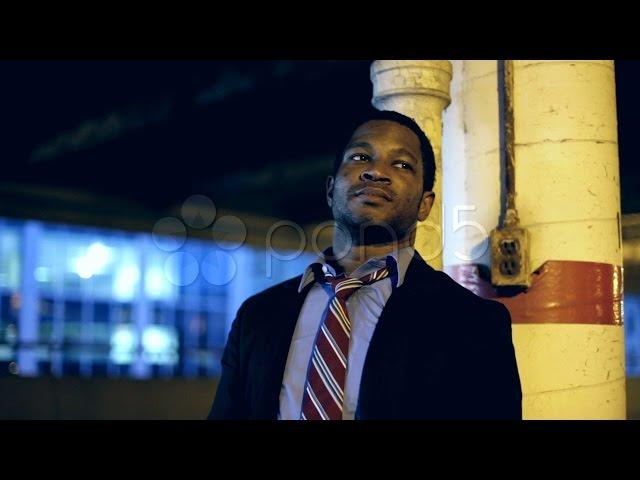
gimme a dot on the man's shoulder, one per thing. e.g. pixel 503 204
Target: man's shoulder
pixel 440 287
pixel 460 293
pixel 446 298
pixel 480 317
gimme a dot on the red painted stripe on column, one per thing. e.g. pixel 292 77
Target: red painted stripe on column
pixel 561 292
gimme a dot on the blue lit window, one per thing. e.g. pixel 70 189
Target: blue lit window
pixel 632 333
pixel 96 302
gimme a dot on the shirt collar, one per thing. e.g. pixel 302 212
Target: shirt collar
pixel 398 261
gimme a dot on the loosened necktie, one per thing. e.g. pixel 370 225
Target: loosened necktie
pixel 324 389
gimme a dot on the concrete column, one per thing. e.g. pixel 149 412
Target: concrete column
pixel 568 196
pixel 420 90
pixel 471 172
pixel 567 327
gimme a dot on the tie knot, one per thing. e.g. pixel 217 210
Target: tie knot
pixel 344 287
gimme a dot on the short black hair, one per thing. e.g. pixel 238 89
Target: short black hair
pixel 428 157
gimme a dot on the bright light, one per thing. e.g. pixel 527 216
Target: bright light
pixel 121 358
pixel 156 339
pixel 94 261
pixel 41 274
pixel 123 338
pixel 160 345
pixel 125 282
pixel 83 268
pixel 99 255
pixel 123 344
pixel 156 284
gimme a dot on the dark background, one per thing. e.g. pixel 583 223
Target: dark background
pixel 85 141
pixel 98 138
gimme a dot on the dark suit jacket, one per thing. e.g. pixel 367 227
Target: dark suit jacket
pixel 438 352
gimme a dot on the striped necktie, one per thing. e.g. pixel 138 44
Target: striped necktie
pixel 324 390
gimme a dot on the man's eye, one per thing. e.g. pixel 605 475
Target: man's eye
pixel 359 157
pixel 404 165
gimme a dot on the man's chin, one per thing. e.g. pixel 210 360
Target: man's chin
pixel 369 219
pixel 369 211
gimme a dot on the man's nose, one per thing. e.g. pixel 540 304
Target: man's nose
pixel 373 174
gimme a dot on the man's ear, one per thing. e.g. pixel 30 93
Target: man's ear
pixel 425 205
pixel 329 187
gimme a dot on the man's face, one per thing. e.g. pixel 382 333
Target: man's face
pixel 380 179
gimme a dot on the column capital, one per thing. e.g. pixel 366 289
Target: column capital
pixel 411 77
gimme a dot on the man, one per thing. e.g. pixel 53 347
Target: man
pixel 370 331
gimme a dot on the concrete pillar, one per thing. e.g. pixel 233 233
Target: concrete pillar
pixel 420 90
pixel 471 172
pixel 567 327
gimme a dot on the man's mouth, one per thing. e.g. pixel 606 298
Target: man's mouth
pixel 374 192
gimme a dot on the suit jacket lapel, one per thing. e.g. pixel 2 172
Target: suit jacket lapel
pixel 285 315
pixel 390 338
pixel 404 299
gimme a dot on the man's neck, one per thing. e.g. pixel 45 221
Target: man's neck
pixel 351 256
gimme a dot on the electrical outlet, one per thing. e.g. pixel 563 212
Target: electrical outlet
pixel 510 257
